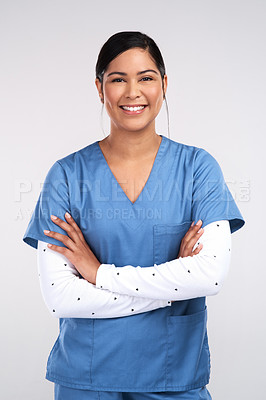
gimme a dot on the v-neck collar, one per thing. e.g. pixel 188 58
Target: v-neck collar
pixel 150 177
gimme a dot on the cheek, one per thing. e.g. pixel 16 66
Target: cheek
pixel 112 96
pixel 156 96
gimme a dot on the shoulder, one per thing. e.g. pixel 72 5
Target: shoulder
pixel 77 160
pixel 84 154
pixel 195 154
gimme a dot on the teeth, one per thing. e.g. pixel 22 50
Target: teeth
pixel 132 108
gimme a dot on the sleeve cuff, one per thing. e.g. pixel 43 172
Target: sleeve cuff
pixel 104 276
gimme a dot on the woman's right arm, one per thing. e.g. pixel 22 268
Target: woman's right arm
pixel 68 296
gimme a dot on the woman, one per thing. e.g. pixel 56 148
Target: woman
pixel 128 265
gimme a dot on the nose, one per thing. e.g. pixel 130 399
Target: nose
pixel 132 90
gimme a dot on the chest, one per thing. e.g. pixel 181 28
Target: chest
pixel 132 177
pixel 133 215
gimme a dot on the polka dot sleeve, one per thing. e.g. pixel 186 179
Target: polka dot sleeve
pixel 68 296
pixel 179 279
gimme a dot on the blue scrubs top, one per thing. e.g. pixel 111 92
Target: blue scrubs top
pixel 160 350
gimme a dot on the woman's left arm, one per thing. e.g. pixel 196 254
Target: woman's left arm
pixel 179 279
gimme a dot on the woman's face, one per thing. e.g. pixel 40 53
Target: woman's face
pixel 132 80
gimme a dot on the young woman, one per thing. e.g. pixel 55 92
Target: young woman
pixel 129 265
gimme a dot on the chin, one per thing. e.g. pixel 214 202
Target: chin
pixel 134 126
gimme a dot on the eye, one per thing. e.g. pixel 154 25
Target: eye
pixel 117 80
pixel 147 78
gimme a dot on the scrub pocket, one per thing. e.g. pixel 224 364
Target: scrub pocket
pixel 167 239
pixel 188 356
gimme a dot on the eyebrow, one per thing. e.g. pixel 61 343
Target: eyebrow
pixel 139 73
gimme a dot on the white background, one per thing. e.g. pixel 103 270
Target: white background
pixel 215 59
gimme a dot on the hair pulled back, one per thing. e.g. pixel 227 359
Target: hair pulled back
pixel 122 41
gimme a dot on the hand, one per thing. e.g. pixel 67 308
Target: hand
pixel 78 251
pixel 190 239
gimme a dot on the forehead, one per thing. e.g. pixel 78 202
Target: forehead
pixel 132 60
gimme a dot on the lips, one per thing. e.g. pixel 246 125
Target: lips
pixel 133 108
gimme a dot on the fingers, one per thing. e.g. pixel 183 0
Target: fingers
pixel 72 222
pixel 195 231
pixel 68 227
pixel 62 238
pixel 197 249
pixel 59 249
pixel 190 239
pixel 195 234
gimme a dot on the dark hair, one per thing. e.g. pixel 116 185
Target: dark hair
pixel 122 41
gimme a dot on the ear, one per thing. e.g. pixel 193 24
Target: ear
pixel 165 82
pixel 99 88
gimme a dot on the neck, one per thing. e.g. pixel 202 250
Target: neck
pixel 132 146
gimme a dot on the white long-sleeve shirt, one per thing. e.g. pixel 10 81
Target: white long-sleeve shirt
pixel 122 291
pixel 180 279
pixel 66 295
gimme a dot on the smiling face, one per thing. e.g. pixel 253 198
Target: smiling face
pixel 132 91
